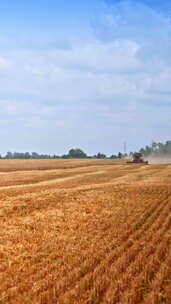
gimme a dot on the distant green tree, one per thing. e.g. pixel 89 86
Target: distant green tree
pixel 113 156
pixel 9 155
pixel 157 149
pixel 168 147
pixel 34 155
pixel 101 155
pixel 119 155
pixel 27 155
pixel 65 156
pixel 77 153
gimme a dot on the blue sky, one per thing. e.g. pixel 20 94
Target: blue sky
pixel 88 74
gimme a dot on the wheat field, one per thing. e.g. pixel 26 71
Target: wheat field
pixel 84 231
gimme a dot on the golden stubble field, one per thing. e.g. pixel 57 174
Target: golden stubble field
pixel 84 231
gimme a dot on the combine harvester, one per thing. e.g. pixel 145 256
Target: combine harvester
pixel 137 159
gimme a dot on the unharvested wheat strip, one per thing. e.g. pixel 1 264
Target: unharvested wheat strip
pixel 134 270
pixel 141 284
pixel 104 278
pixel 75 275
pixel 91 277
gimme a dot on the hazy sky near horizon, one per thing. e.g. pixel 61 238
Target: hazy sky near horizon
pixel 88 74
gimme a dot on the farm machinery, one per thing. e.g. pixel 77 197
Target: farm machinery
pixel 137 159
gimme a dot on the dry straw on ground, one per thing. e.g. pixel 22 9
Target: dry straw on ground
pixel 85 232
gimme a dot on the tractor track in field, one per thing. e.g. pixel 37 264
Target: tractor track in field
pixel 51 181
pixel 121 180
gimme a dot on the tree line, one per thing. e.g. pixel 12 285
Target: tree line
pixel 157 149
pixel 73 153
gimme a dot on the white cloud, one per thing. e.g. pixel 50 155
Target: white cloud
pixel 87 73
pixel 117 82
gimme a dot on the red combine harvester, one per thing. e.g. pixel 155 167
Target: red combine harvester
pixel 138 159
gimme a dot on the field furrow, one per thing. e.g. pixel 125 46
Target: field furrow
pixel 85 233
pixel 116 263
pixel 96 262
pixel 138 271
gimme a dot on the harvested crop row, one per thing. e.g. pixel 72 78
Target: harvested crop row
pixel 94 259
pixel 46 278
pixel 86 240
pixel 100 279
pixel 140 273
